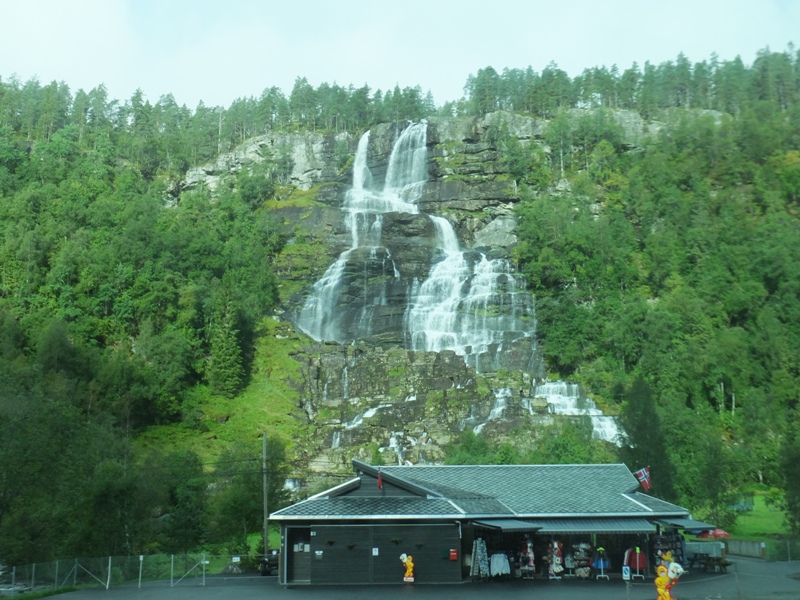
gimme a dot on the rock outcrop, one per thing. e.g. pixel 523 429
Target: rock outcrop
pixel 310 157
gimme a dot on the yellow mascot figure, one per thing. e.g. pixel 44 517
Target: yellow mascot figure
pixel 408 561
pixel 663 584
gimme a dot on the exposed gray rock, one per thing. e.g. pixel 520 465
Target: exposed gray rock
pixel 498 233
pixel 412 405
pixel 634 128
pixel 520 126
pixel 312 156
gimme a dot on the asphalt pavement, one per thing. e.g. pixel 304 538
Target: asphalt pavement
pixel 747 579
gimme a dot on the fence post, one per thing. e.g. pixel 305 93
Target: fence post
pixel 172 571
pixel 204 569
pixel 75 574
pixel 108 576
pixel 56 574
pixel 789 550
pixel 33 576
pixel 141 560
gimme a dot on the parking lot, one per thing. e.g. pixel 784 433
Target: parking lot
pixel 747 579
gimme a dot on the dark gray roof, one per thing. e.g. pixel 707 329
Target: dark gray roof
pixel 487 491
pixel 537 490
pixel 369 507
pixel 506 525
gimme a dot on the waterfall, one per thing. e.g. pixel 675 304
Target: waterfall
pixel 291 484
pixel 469 304
pixel 363 209
pixel 565 399
pixel 468 300
pixel 501 398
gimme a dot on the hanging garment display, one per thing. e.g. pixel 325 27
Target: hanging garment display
pixel 480 559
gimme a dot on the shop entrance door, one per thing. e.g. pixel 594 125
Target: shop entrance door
pixel 298 567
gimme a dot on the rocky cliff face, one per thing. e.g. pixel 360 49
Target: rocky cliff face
pixel 310 159
pixel 389 304
pixel 368 381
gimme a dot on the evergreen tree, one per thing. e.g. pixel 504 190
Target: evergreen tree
pixel 224 371
pixel 645 444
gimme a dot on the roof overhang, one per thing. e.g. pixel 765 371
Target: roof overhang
pixel 593 525
pixel 685 523
pixel 507 525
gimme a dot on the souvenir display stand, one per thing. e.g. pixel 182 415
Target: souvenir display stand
pixel 600 563
pixel 581 559
pixel 669 542
pixel 555 566
pixel 527 559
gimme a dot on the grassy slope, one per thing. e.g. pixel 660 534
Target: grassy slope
pixel 269 403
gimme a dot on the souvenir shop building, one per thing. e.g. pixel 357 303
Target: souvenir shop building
pixel 459 523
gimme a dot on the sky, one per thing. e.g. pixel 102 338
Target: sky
pixel 216 51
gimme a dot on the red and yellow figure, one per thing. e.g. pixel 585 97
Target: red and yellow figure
pixel 408 561
pixel 664 584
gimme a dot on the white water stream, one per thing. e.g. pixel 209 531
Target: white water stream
pixel 364 208
pixel 565 399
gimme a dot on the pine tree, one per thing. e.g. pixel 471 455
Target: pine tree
pixel 225 373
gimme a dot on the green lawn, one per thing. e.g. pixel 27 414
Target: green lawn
pixel 759 522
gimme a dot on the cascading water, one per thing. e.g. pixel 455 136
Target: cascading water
pixel 470 302
pixel 364 208
pixel 565 399
pixel 501 400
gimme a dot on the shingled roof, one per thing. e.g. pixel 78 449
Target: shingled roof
pixel 485 491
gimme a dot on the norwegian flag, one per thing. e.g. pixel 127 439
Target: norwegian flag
pixel 643 475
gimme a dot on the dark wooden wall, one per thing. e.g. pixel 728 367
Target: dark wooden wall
pixel 347 554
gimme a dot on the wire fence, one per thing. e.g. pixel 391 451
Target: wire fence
pixel 782 550
pixel 202 569
pixel 164 569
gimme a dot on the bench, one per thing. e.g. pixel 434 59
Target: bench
pixel 697 560
pixel 717 563
pixel 713 563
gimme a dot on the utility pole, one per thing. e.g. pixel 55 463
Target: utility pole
pixel 266 505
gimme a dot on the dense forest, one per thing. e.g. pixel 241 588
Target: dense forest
pixel 667 279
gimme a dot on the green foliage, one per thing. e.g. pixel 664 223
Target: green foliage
pixel 471 449
pixel 659 281
pixel 237 506
pixel 645 443
pixel 567 441
pixel 224 371
pixel 790 464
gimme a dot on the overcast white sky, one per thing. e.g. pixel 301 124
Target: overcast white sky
pixel 220 50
